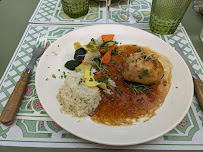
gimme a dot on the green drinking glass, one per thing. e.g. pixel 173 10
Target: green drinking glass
pixel 167 14
pixel 75 8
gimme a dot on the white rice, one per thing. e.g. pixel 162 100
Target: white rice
pixel 78 99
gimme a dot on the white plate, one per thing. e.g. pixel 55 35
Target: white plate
pixel 173 110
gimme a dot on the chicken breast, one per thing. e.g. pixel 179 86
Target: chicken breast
pixel 142 68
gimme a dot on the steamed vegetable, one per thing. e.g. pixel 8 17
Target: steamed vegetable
pixel 80 54
pixel 109 43
pixel 112 47
pixel 89 57
pixel 108 37
pixel 106 58
pixel 90 81
pixel 77 45
pixel 100 41
pixel 72 64
pixel 91 47
pixel 83 66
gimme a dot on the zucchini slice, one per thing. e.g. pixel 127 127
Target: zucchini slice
pixel 72 64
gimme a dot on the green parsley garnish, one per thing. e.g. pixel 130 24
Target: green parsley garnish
pixel 148 93
pixel 80 81
pixel 58 45
pixel 116 78
pixel 118 83
pixel 164 84
pixel 133 61
pixel 118 70
pixel 138 100
pixel 134 45
pixel 176 87
pixel 127 47
pixel 47 79
pixel 139 50
pixel 103 79
pixel 122 52
pixel 114 52
pixel 90 79
pixel 143 73
pixel 48 67
pixel 112 60
pixel 137 88
pixel 119 91
pixel 58 69
pixel 53 76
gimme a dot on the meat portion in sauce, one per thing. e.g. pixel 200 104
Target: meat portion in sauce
pixel 142 68
pixel 126 104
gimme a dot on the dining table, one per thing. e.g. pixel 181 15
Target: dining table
pixel 33 130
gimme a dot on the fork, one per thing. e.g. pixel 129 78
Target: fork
pixel 9 112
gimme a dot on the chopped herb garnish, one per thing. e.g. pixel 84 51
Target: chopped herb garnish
pixel 53 76
pixel 48 67
pixel 143 73
pixel 112 60
pixel 138 100
pixel 127 47
pixel 47 79
pixel 118 83
pixel 103 79
pixel 133 61
pixel 164 84
pixel 58 69
pixel 113 98
pixel 64 74
pixel 109 74
pixel 114 52
pixel 139 50
pixel 118 70
pixel 61 104
pixel 116 78
pixel 176 87
pixel 90 79
pixel 61 76
pixel 119 91
pixel 139 76
pixel 120 43
pixel 58 45
pixel 104 98
pixel 80 81
pixel 137 88
pixel 122 52
pixel 148 93
pixel 134 45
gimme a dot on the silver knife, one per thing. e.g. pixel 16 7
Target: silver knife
pixel 197 82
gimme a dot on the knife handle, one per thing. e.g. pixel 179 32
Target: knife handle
pixel 9 112
pixel 199 91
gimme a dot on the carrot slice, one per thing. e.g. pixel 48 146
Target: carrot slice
pixel 102 51
pixel 106 58
pixel 108 37
pixel 111 48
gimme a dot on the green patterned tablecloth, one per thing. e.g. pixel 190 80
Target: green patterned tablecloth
pixel 34 128
pixel 50 11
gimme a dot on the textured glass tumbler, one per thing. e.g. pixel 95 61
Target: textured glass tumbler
pixel 75 8
pixel 167 14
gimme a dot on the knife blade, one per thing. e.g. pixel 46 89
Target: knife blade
pixel 198 85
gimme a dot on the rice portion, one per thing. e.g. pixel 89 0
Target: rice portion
pixel 76 97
